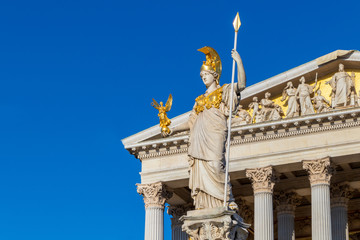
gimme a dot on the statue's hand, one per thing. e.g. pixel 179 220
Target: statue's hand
pixel 235 55
pixel 166 131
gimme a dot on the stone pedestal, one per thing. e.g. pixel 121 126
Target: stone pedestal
pixel 286 203
pixel 340 195
pixel 320 173
pixel 263 181
pixel 155 196
pixel 214 224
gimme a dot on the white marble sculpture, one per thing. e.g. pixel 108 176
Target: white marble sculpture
pixel 321 104
pixel 242 117
pixel 255 107
pixel 208 131
pixel 354 99
pixel 289 94
pixel 269 110
pixel 341 84
pixel 304 92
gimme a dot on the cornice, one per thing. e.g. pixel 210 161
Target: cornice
pixel 265 131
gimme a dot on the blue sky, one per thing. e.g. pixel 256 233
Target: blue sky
pixel 78 76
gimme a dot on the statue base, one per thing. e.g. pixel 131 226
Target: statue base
pixel 214 224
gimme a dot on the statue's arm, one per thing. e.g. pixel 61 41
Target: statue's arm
pixel 180 128
pixel 186 125
pixel 240 73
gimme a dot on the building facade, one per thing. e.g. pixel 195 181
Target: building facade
pixel 294 157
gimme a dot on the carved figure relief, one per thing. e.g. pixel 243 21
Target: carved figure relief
pixel 321 104
pixel 289 94
pixel 269 110
pixel 342 85
pixel 242 117
pixel 255 107
pixel 303 92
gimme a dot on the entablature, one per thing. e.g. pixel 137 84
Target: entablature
pixel 255 132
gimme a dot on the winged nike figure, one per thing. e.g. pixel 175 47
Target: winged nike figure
pixel 164 120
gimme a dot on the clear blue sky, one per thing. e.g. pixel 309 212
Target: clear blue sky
pixel 78 76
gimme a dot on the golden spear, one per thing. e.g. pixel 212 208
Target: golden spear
pixel 236 24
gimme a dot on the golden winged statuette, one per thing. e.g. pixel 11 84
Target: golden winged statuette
pixel 164 120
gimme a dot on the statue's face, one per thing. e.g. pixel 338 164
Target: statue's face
pixel 341 67
pixel 302 80
pixel 267 95
pixel 207 78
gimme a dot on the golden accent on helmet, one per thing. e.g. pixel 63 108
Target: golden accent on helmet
pixel 212 63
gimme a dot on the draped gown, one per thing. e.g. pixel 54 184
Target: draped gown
pixel 208 134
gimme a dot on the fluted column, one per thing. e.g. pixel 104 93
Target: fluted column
pixel 155 196
pixel 340 195
pixel 286 203
pixel 247 214
pixel 320 173
pixel 263 181
pixel 176 212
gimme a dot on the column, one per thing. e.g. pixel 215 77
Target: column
pixel 340 195
pixel 247 214
pixel 176 212
pixel 286 203
pixel 155 195
pixel 320 173
pixel 263 181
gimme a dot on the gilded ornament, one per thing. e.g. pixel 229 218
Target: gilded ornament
pixel 212 63
pixel 212 100
pixel 164 120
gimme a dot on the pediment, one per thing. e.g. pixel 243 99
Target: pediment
pixel 325 67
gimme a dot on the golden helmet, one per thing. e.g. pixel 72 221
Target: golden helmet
pixel 212 62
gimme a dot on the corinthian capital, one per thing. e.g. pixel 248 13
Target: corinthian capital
pixel 320 171
pixel 154 194
pixel 286 201
pixel 263 179
pixel 340 194
pixel 176 212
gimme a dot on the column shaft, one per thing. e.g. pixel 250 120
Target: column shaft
pixel 264 220
pixel 154 223
pixel 177 211
pixel 320 212
pixel 286 226
pixel 339 223
pixel 320 172
pixel 178 234
pixel 155 195
pixel 263 181
pixel 340 195
pixel 286 204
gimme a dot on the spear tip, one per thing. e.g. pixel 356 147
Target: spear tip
pixel 237 22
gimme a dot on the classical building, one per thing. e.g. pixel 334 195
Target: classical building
pixel 294 157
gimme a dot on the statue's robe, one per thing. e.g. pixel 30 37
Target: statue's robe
pixel 341 82
pixel 208 134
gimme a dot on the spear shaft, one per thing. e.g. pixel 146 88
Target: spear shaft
pixel 236 26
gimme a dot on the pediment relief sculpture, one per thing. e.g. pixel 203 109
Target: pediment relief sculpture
pixel 333 92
